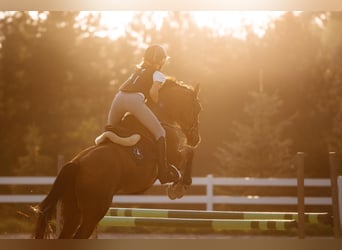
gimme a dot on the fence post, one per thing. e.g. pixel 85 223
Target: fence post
pixel 60 163
pixel 300 194
pixel 334 193
pixel 210 192
pixel 339 184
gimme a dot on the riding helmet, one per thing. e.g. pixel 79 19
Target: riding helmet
pixel 155 54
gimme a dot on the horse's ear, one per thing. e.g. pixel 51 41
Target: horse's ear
pixel 197 89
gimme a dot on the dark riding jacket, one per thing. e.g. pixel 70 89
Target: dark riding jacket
pixel 140 81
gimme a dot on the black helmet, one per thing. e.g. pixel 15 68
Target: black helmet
pixel 155 54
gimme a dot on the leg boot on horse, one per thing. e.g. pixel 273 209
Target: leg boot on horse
pixel 166 172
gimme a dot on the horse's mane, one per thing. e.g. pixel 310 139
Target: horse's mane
pixel 172 82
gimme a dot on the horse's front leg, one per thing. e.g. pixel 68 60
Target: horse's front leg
pixel 178 189
pixel 187 155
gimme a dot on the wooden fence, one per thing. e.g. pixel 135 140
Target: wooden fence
pixel 209 198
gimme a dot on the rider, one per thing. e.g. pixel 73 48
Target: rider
pixel 143 85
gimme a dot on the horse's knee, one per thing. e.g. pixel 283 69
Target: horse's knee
pixel 186 180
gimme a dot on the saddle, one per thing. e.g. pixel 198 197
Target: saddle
pixel 133 137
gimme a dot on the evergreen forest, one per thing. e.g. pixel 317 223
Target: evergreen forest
pixel 264 98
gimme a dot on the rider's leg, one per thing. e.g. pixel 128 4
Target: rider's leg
pixel 117 110
pixel 166 172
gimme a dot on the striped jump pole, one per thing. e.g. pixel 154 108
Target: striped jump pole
pixel 215 225
pixel 313 218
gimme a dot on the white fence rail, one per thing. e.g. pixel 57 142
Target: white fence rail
pixel 209 198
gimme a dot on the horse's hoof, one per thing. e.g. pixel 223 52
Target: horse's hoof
pixel 181 190
pixel 171 192
pixel 176 190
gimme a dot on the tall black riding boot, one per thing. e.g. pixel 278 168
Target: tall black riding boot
pixel 166 172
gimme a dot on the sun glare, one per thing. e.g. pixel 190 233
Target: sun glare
pixel 114 24
pixel 234 22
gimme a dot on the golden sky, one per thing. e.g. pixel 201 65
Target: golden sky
pixel 171 5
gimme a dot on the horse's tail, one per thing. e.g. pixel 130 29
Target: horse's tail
pixel 65 181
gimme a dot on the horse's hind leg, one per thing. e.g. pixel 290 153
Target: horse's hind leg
pixel 91 213
pixel 89 221
pixel 86 229
pixel 70 227
pixel 71 218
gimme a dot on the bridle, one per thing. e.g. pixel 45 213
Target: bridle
pixel 191 130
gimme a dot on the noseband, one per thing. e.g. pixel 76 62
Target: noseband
pixel 192 130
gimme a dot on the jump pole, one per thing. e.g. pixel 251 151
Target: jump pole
pixel 216 225
pixel 313 218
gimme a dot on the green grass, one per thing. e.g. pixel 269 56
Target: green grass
pixel 21 224
pixel 14 225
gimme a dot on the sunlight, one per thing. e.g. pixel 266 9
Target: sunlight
pixel 115 23
pixel 35 15
pixel 112 24
pixel 233 23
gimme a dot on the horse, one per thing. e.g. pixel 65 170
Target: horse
pixel 86 185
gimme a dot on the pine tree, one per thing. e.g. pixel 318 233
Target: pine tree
pixel 260 149
pixel 331 104
pixel 34 161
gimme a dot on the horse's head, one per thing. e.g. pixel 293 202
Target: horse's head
pixel 182 105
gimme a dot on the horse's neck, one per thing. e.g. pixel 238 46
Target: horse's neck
pixel 162 112
pixel 171 101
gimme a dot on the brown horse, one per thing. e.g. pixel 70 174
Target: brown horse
pixel 86 185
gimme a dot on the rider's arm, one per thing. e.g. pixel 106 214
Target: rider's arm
pixel 158 80
pixel 154 91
